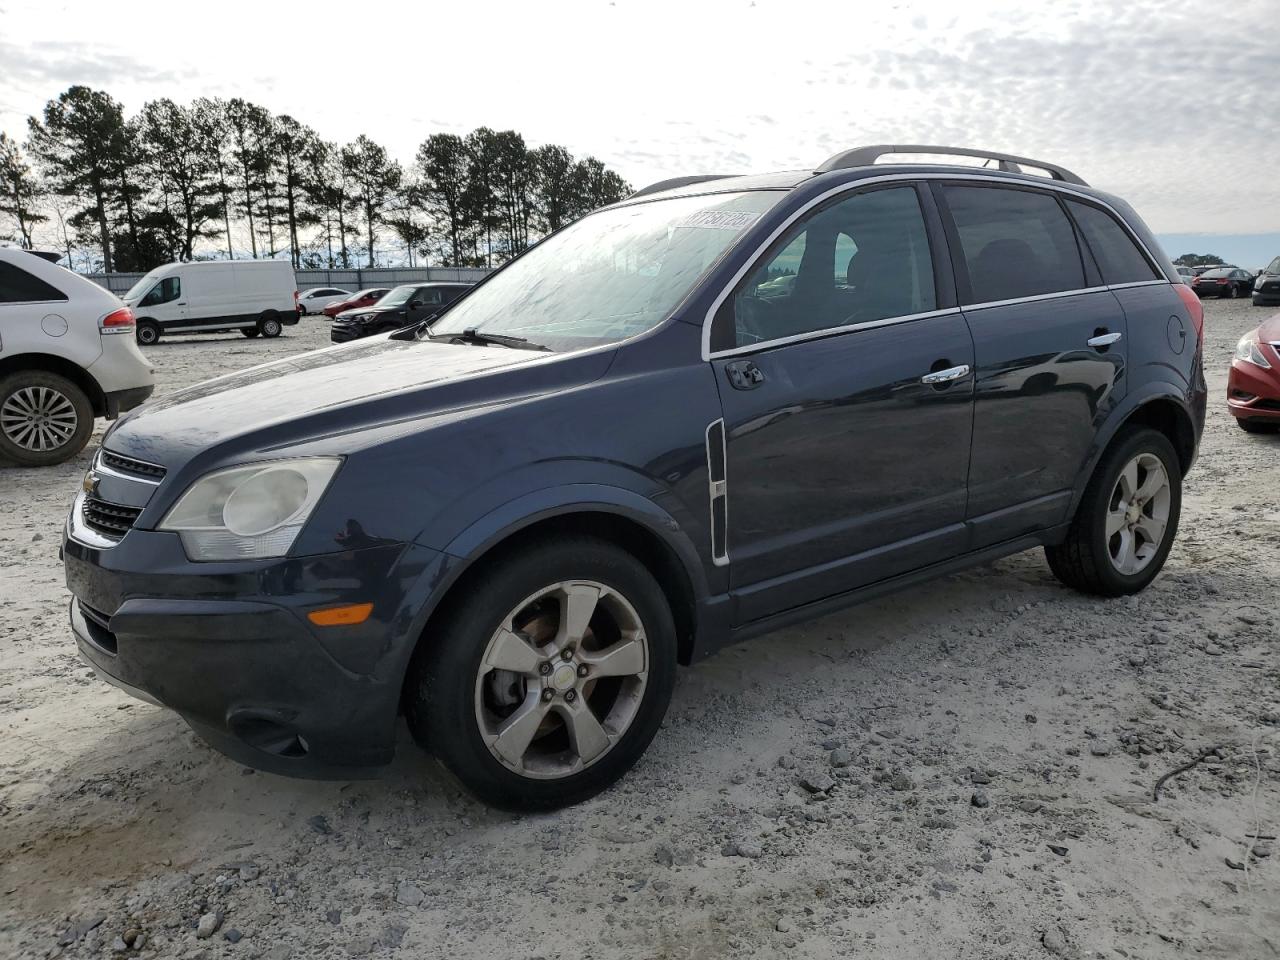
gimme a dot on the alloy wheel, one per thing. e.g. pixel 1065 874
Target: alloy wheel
pixel 562 679
pixel 39 419
pixel 1138 513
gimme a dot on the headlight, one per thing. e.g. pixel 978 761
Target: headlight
pixel 1247 350
pixel 246 513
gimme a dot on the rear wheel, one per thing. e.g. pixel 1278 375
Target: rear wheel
pixel 147 332
pixel 1233 292
pixel 249 331
pixel 548 679
pixel 269 325
pixel 1127 519
pixel 44 418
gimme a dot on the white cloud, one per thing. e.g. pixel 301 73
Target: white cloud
pixel 1138 98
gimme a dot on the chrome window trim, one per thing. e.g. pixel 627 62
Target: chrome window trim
pixel 857 185
pixel 829 332
pixel 1056 295
pixel 1136 283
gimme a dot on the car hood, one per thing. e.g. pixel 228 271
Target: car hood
pixel 334 392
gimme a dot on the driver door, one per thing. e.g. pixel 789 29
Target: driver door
pixel 165 304
pixel 845 378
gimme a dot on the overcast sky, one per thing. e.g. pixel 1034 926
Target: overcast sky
pixel 1173 106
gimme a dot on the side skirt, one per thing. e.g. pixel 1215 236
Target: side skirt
pixel 717 635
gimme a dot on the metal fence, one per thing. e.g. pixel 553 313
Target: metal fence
pixel 355 279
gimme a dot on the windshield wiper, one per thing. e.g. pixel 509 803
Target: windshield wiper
pixel 472 335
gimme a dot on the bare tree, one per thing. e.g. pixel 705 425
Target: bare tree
pixel 20 190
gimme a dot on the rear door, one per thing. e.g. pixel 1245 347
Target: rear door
pixel 844 375
pixel 1049 348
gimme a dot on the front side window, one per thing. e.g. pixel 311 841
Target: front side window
pixel 18 286
pixel 861 259
pixel 166 291
pixel 1117 255
pixel 1016 243
pixel 609 276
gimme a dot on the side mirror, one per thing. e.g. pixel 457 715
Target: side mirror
pixel 415 304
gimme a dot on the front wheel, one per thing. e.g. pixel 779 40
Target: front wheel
pixel 1124 527
pixel 270 326
pixel 44 418
pixel 545 682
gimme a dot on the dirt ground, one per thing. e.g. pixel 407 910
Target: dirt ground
pixel 962 771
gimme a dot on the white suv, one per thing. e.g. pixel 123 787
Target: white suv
pixel 67 355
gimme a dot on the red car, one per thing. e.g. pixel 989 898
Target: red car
pixel 365 298
pixel 1253 387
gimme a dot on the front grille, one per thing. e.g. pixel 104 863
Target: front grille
pixel 138 468
pixel 109 519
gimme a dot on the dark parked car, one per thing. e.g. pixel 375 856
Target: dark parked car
pixel 407 304
pixel 633 445
pixel 365 298
pixel 1229 282
pixel 1266 285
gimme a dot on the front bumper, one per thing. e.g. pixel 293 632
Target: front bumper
pixel 1253 392
pixel 228 646
pixel 345 332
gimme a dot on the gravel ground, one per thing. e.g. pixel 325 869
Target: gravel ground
pixel 962 771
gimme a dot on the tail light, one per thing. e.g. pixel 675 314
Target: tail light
pixel 1194 307
pixel 117 321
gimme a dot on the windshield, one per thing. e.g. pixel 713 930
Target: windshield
pixel 611 275
pixel 1274 266
pixel 397 296
pixel 142 286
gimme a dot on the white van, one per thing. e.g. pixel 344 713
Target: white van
pixel 252 296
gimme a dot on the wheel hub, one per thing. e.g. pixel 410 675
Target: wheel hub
pixel 565 677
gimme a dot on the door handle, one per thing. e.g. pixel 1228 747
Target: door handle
pixel 182 303
pixel 1104 340
pixel 946 376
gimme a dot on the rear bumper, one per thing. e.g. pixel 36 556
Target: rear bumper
pixel 121 401
pixel 229 646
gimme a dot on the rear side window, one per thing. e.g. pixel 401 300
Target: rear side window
pixel 1118 256
pixel 1016 243
pixel 18 286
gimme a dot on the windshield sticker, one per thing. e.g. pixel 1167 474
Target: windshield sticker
pixel 718 219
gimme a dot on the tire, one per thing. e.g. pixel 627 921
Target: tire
pixel 249 332
pixel 1233 292
pixel 1258 426
pixel 450 688
pixel 147 332
pixel 1086 560
pixel 65 418
pixel 269 325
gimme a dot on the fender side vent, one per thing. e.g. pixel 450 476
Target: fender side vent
pixel 717 482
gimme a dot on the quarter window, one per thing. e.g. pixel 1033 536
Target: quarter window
pixel 1118 256
pixel 166 291
pixel 1016 243
pixel 862 259
pixel 18 286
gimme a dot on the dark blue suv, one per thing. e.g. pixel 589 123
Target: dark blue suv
pixel 721 406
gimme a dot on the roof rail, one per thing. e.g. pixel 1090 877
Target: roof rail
pixel 866 156
pixel 675 182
